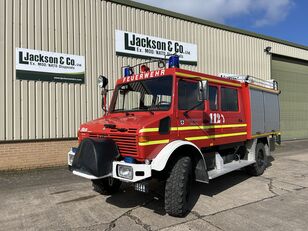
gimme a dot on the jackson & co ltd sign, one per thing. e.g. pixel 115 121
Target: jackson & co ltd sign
pixel 133 44
pixel 49 66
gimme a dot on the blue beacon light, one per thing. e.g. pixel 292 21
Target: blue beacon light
pixel 128 71
pixel 174 61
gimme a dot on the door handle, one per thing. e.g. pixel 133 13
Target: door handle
pixel 240 120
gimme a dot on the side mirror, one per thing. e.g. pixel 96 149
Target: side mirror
pixel 102 81
pixel 203 88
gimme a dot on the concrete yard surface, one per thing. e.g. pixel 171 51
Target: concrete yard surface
pixel 54 199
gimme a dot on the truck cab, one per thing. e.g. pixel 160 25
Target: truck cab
pixel 174 124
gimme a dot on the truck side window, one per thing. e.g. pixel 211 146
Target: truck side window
pixel 189 95
pixel 229 99
pixel 213 96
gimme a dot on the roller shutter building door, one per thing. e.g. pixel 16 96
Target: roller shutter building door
pixel 292 77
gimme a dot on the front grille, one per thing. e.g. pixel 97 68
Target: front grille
pixel 130 130
pixel 127 143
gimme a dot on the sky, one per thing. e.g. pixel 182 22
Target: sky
pixel 283 19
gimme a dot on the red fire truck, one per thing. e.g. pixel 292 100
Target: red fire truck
pixel 178 126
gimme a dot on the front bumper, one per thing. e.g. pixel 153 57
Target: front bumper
pixel 139 172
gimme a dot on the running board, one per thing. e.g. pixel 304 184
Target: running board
pixel 226 168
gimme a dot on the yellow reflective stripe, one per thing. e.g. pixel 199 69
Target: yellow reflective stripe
pixel 148 130
pixel 193 138
pixel 176 128
pixel 154 142
pixel 216 136
pixel 264 89
pixel 208 127
pixel 266 134
pixel 185 128
pixel 209 79
pixel 233 125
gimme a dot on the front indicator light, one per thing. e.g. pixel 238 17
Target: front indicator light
pixel 125 171
pixel 70 156
pixel 143 139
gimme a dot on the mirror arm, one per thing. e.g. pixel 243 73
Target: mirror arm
pixel 104 100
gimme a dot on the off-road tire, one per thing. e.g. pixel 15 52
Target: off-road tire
pixel 106 186
pixel 178 185
pixel 259 167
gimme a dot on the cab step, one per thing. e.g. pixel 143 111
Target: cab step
pixel 222 168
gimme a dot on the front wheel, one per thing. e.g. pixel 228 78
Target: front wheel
pixel 178 186
pixel 106 185
pixel 259 167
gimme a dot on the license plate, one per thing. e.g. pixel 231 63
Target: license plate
pixel 142 186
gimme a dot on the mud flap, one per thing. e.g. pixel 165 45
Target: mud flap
pixel 95 157
pixel 201 171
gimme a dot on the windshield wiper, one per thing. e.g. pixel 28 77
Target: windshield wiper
pixel 192 108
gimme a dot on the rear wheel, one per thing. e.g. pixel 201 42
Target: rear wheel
pixel 106 185
pixel 178 186
pixel 259 167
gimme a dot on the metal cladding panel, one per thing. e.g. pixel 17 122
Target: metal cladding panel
pixel 44 110
pixel 2 71
pixel 272 112
pixel 257 112
pixel 265 112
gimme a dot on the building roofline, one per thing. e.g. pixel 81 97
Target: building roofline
pixel 205 22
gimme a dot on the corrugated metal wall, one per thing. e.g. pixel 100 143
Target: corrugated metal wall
pixel 43 110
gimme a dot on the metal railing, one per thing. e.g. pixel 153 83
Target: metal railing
pixel 271 84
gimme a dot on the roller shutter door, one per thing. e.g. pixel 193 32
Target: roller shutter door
pixel 292 76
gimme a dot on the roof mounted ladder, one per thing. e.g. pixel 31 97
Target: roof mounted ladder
pixel 271 84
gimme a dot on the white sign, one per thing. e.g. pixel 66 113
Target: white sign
pixel 128 43
pixel 49 66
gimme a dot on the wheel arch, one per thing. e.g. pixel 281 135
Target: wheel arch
pixel 251 147
pixel 265 141
pixel 178 148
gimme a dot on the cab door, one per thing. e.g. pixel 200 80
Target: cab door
pixel 190 113
pixel 233 114
pixel 216 118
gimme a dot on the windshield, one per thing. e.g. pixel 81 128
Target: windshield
pixel 147 95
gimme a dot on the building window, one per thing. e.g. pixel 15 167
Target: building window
pixel 229 99
pixel 213 95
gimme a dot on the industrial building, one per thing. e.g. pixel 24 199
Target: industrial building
pixel 51 53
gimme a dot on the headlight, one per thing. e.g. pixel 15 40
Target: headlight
pixel 125 171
